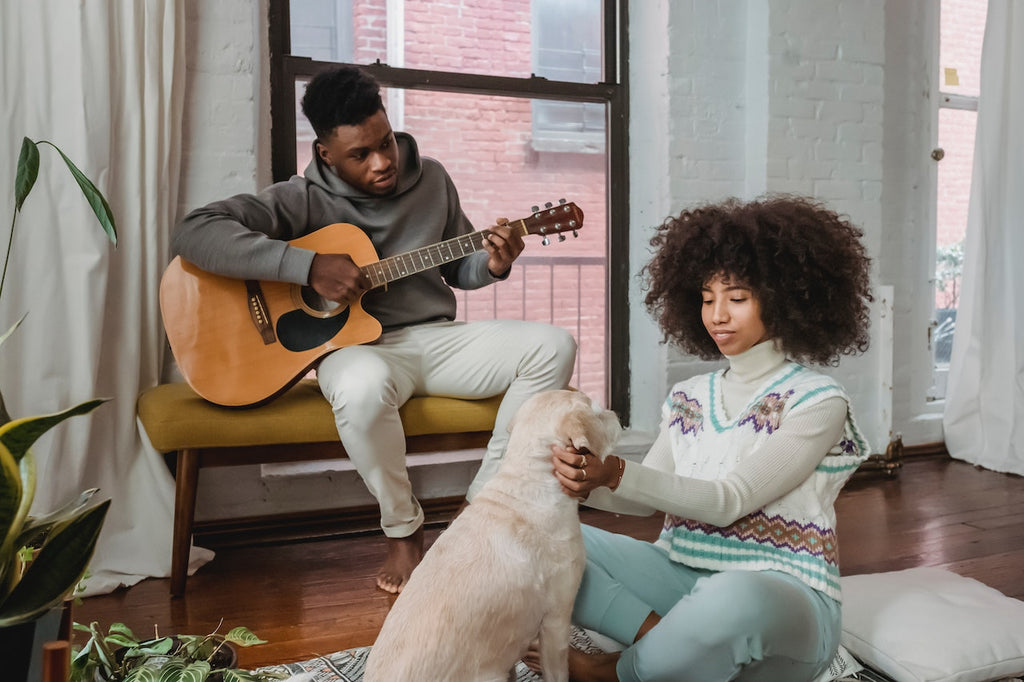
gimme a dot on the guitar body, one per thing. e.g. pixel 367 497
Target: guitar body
pixel 218 343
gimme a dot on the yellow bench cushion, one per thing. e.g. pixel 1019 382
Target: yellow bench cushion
pixel 175 417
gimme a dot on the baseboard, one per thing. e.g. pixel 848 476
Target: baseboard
pixel 272 529
pixel 320 524
pixel 926 450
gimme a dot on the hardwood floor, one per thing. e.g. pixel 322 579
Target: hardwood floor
pixel 310 598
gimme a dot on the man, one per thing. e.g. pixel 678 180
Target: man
pixel 364 173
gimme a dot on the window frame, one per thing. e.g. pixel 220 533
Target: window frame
pixel 286 69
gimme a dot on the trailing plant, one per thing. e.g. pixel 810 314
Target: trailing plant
pixel 118 656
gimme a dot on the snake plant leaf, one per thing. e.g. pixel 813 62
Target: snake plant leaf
pixel 11 330
pixel 4 415
pixel 57 568
pixel 28 171
pixel 18 435
pixel 96 200
pixel 10 490
pixel 11 494
pixel 36 528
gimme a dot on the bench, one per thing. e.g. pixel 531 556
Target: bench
pixel 297 426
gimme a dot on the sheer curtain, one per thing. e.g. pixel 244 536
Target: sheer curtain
pixel 104 81
pixel 984 417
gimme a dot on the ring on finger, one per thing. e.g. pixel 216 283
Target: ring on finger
pixel 583 462
pixel 584 477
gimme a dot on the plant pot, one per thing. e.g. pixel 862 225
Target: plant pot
pixel 21 646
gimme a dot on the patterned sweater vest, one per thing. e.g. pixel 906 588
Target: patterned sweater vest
pixel 794 534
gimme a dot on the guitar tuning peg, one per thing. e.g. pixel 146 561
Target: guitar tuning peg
pixel 534 209
pixel 561 237
pixel 545 241
pixel 575 234
pixel 561 201
pixel 547 205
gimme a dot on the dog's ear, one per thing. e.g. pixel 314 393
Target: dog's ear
pixel 587 430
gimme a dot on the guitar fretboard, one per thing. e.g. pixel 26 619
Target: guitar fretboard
pixel 409 263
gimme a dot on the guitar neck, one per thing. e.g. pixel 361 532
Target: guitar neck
pixel 428 257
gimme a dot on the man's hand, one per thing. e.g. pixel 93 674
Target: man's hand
pixel 504 245
pixel 337 278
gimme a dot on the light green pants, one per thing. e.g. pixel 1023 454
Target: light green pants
pixel 715 626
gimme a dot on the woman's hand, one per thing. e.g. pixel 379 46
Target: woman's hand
pixel 579 472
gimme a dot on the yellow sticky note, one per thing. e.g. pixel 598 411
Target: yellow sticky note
pixel 951 77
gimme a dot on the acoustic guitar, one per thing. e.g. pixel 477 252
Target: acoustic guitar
pixel 241 343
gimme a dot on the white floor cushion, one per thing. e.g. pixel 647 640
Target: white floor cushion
pixel 932 625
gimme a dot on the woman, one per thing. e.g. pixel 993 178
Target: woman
pixel 743 582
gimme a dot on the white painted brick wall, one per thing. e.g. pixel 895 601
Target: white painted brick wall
pixel 224 78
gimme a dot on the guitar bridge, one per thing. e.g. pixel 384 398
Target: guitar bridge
pixel 259 313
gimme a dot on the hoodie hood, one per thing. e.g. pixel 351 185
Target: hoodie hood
pixel 410 168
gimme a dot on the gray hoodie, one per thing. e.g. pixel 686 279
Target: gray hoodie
pixel 246 236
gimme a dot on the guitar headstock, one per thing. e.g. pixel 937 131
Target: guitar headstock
pixel 554 219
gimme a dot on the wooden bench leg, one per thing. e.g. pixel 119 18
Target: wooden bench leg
pixel 186 481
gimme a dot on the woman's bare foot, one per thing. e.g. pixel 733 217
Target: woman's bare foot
pixel 532 657
pixel 404 554
pixel 585 667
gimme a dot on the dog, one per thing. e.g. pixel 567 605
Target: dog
pixel 506 571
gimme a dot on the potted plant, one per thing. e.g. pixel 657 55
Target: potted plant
pixel 42 558
pixel 118 656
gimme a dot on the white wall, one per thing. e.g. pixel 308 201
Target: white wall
pixel 729 97
pixel 828 99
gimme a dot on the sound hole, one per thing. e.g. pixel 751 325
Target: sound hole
pixel 315 304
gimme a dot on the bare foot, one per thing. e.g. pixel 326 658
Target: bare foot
pixel 532 657
pixel 593 667
pixel 404 554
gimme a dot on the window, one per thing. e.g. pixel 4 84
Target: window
pixel 524 103
pixel 961 31
pixel 567 47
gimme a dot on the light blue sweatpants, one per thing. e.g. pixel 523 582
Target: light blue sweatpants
pixel 715 626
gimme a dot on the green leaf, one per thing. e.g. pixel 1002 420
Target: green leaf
pixel 243 636
pixel 35 529
pixel 95 198
pixel 19 434
pixel 28 171
pixel 56 570
pixel 12 511
pixel 10 491
pixel 124 632
pixel 11 330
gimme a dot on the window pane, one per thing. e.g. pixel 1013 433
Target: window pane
pixel 485 144
pixel 961 31
pixel 557 39
pixel 956 139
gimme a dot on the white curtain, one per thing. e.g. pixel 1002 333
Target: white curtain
pixel 984 417
pixel 104 81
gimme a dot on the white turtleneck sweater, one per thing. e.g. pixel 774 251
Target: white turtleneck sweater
pixel 785 461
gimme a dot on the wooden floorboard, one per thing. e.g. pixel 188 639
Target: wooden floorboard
pixel 310 598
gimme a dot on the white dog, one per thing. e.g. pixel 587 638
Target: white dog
pixel 506 570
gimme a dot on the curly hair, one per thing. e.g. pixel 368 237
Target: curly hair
pixel 342 96
pixel 805 264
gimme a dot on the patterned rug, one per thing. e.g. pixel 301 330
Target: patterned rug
pixel 348 666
